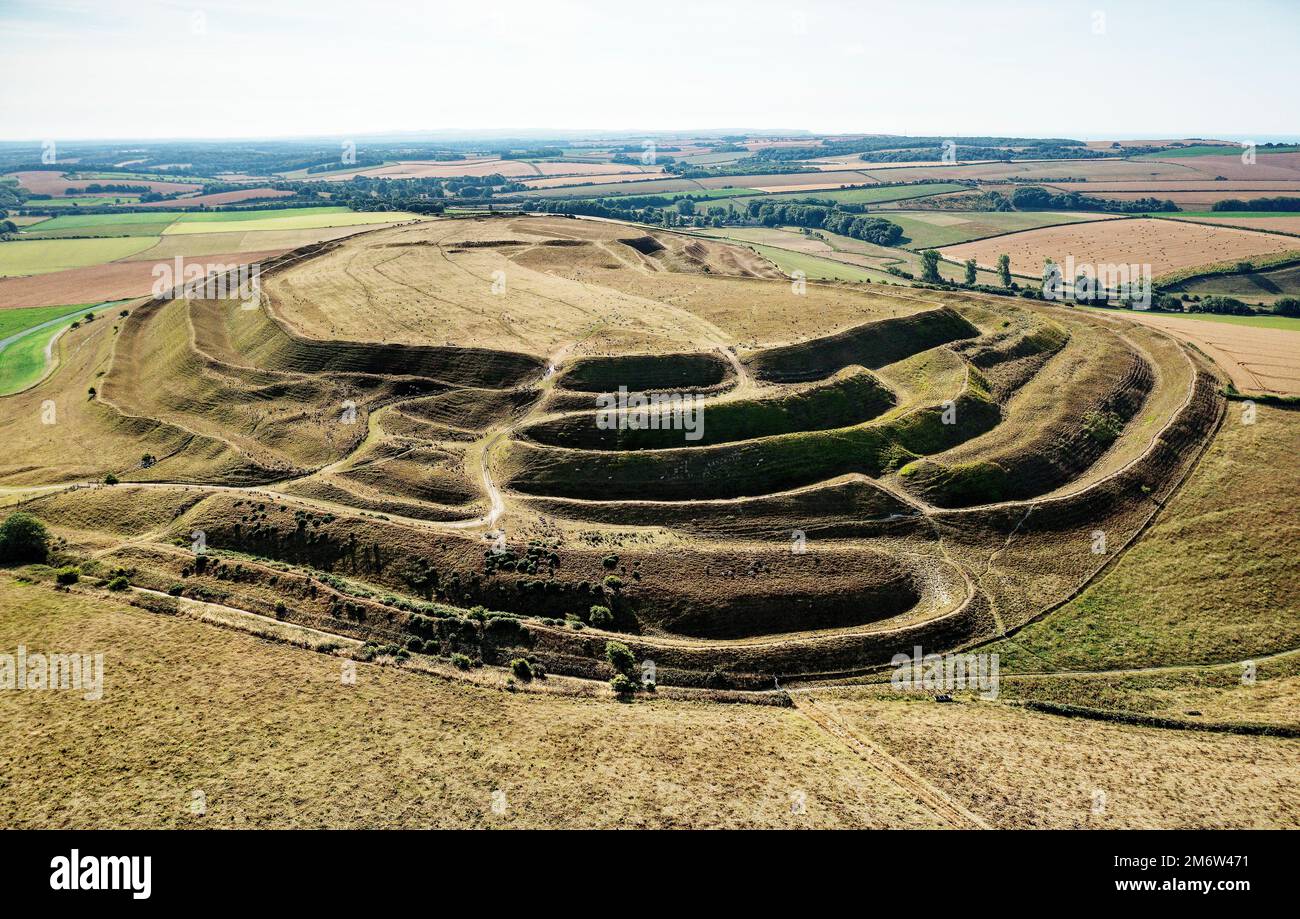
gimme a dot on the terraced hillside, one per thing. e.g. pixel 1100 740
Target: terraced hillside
pixel 507 437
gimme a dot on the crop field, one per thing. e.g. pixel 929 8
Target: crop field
pixel 218 199
pixel 1259 355
pixel 41 256
pixel 15 321
pixel 931 229
pixel 831 256
pixel 1166 245
pixel 308 219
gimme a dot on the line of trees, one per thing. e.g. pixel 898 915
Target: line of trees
pixel 1036 198
pixel 826 217
pixel 1257 204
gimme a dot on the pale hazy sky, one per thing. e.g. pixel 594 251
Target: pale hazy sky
pixel 240 68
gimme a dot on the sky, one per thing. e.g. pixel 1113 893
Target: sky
pixel 151 69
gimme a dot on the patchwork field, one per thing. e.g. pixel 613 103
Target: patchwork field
pixel 119 261
pixel 1166 245
pixel 38 256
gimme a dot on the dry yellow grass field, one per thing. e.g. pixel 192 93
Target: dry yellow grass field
pixel 1023 769
pixel 272 737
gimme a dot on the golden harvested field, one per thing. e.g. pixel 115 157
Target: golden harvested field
pixel 45 256
pixel 482 166
pixel 1257 359
pixel 195 245
pixel 1243 189
pixel 790 181
pixel 1166 245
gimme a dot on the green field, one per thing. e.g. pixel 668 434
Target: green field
pixel 14 321
pixel 783 247
pixel 1213 581
pixel 725 193
pixel 340 217
pixel 1207 150
pixel 1253 287
pixel 1287 323
pixel 42 256
pixel 258 214
pixel 878 194
pixel 22 361
pixel 125 178
pixel 70 221
pixel 814 267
